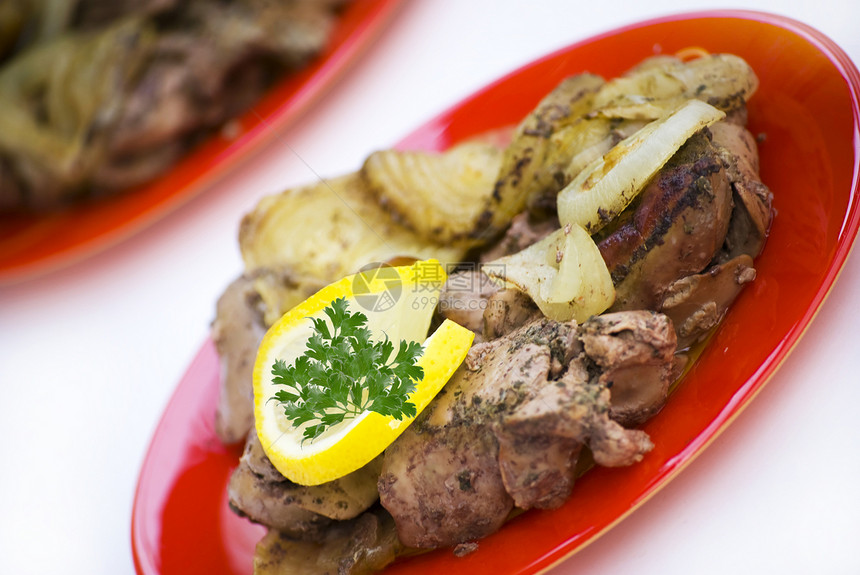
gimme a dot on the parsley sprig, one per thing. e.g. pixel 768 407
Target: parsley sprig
pixel 343 373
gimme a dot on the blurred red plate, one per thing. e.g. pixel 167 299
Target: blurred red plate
pixel 807 111
pixel 32 245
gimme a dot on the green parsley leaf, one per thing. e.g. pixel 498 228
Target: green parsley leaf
pixel 344 373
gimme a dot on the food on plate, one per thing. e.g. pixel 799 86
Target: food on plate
pixel 622 221
pixel 283 233
pixel 365 544
pixel 440 196
pixel 259 491
pixel 510 425
pixel 285 263
pixel 585 116
pixel 97 97
pixel 341 375
pixel 605 187
pixel 564 274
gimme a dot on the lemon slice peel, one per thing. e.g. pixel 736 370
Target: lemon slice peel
pixel 350 445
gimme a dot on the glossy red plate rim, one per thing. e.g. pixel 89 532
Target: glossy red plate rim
pixel 537 540
pixel 31 246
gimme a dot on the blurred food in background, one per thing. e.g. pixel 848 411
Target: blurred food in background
pixel 97 96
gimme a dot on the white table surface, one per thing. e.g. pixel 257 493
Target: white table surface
pixel 90 355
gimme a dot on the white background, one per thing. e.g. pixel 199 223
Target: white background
pixel 90 355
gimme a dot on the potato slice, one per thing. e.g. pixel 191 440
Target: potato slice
pixel 329 230
pixel 521 175
pixel 564 274
pixel 440 196
pixel 660 84
pixel 281 290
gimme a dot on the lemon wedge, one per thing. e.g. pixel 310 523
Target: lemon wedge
pixel 399 302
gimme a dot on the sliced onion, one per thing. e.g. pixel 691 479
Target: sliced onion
pixel 606 186
pixel 564 274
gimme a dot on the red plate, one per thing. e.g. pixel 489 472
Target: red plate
pixel 811 164
pixel 30 245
